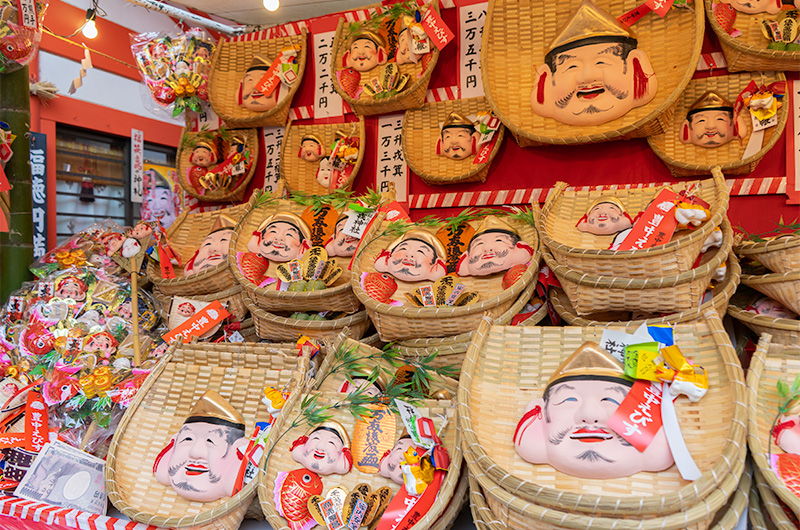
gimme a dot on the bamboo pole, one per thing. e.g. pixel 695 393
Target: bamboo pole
pixel 16 246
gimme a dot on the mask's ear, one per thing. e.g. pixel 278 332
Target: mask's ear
pixel 461 268
pixel 529 438
pixel 685 132
pixel 239 98
pixel 475 138
pixel 255 240
pixel 161 465
pixel 438 270
pixel 775 7
pixel 382 55
pixel 582 224
pixel 645 83
pixel 741 124
pixel 439 146
pixel 541 98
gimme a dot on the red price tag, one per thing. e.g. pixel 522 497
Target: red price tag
pixel 270 81
pixel 660 7
pixel 634 15
pixel 12 439
pixel 638 418
pixel 436 29
pixel 656 224
pixel 35 422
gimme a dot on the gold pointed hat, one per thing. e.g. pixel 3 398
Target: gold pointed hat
pixel 286 217
pixel 312 137
pixel 457 120
pixel 493 223
pixel 223 222
pixel 213 408
pixel 609 199
pixel 368 34
pixel 589 361
pixel 588 22
pixel 425 237
pixel 259 62
pixel 334 427
pixel 710 100
pixel 205 144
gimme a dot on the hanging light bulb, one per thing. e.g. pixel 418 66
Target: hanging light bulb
pixel 272 5
pixel 89 28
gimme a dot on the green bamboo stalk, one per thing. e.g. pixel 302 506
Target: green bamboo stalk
pixel 16 246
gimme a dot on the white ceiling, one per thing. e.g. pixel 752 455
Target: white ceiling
pixel 253 12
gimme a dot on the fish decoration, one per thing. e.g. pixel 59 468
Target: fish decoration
pixel 726 16
pixel 513 275
pixel 379 286
pixel 292 492
pixel 350 81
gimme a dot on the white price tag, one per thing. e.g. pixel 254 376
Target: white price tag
pixel 357 222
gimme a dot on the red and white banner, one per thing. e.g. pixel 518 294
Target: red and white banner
pixel 471 17
pixel 49 516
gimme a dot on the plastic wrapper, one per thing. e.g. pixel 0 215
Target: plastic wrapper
pixel 175 69
pixel 20 32
pixel 88 247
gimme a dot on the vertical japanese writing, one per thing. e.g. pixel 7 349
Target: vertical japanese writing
pixel 137 165
pixel 27 14
pixel 204 120
pixel 273 139
pixel 327 102
pixel 391 165
pixel 793 146
pixel 38 159
pixel 471 19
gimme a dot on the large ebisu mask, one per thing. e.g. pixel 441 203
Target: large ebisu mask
pixel 593 72
pixel 567 427
pixel 202 460
pixel 281 237
pixel 495 247
pixel 415 256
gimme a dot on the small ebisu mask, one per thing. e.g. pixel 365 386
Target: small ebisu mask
pixel 754 7
pixel 709 122
pixel 593 71
pixel 415 256
pixel 458 139
pixel 340 244
pixel 495 247
pixel 389 464
pixel 567 427
pixel 214 248
pixel 248 96
pixel 605 217
pixel 325 449
pixel 282 237
pixel 202 460
pixel 366 51
pixel 311 148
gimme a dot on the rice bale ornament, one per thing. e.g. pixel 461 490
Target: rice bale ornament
pixel 458 139
pixel 567 427
pixel 260 91
pixel 280 238
pixel 415 256
pixel 495 247
pixel 201 459
pixel 606 216
pixel 214 248
pixel 325 449
pixel 593 72
pixel 710 122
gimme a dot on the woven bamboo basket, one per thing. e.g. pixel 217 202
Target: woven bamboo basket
pixel 234 194
pixel 402 322
pixel 781 254
pixel 422 129
pixel 338 297
pixel 670 294
pixel 231 59
pixel 520 32
pixel 301 175
pixel 719 303
pixel 327 388
pixel 504 509
pixel 769 363
pixel 589 253
pixel 755 512
pixel 275 327
pixel 231 299
pixel 238 372
pixel 451 351
pixel 411 97
pixel 713 428
pixel 748 52
pixel 774 510
pixel 783 330
pixel 725 519
pixel 185 236
pixel 687 160
pixel 783 287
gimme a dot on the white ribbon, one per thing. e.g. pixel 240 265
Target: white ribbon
pixel 680 453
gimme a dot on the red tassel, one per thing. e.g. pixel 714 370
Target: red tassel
pixel 162 453
pixel 540 89
pixel 349 456
pixel 640 80
pixel 685 133
pixel 535 411
pixel 474 146
pixel 300 441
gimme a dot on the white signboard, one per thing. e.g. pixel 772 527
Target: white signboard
pixel 391 165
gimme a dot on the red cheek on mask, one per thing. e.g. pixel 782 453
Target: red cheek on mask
pixel 540 89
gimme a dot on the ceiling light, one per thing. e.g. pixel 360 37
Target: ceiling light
pixel 89 28
pixel 272 5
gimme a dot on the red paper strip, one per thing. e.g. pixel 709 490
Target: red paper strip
pixel 405 510
pixel 199 324
pixel 167 272
pixel 634 15
pixel 656 224
pixel 660 7
pixel 439 33
pixel 270 81
pixel 486 149
pixel 8 484
pixel 638 418
pixel 35 422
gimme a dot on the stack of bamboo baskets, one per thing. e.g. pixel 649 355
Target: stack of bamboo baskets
pixel 664 279
pixel 508 366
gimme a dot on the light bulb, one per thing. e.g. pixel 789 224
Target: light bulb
pixel 89 29
pixel 272 5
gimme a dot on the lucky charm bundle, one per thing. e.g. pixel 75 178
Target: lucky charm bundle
pixel 219 161
pixel 20 33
